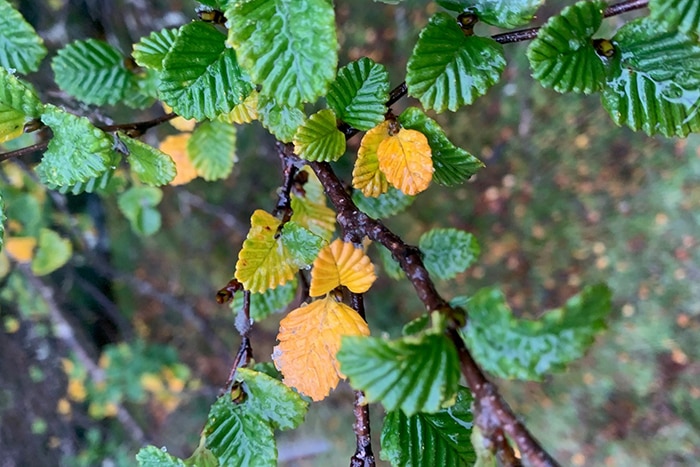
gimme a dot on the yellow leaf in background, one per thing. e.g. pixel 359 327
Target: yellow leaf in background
pixel 21 249
pixel 366 175
pixel 176 147
pixel 264 263
pixel 340 263
pixel 180 123
pixel 11 129
pixel 245 112
pixel 309 339
pixel 406 160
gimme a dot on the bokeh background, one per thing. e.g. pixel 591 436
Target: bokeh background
pixel 125 345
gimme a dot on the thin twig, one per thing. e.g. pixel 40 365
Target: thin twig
pixel 283 208
pixel 245 350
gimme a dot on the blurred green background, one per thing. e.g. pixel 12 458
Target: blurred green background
pixel 567 199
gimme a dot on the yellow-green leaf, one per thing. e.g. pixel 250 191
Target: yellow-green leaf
pixel 366 175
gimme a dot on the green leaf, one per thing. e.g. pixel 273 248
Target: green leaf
pixel 91 71
pixel 525 349
pixel 271 301
pixel 151 50
pixel 428 440
pixel 288 46
pixel 563 56
pixel 414 373
pixel 391 267
pixel 21 48
pixel 212 149
pixel 202 457
pixel 448 69
pixel 243 433
pixel 302 244
pixel 447 252
pixel 452 165
pixel 683 15
pixel 18 104
pixel 77 152
pixel 359 94
pixel 654 80
pixel 53 252
pixel 150 165
pixel 319 139
pixel 387 204
pixel 502 13
pixel 91 185
pixel 417 325
pixel 151 456
pixel 143 89
pixel 281 120
pixel 138 206
pixel 201 77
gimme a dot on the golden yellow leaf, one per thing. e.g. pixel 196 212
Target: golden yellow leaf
pixel 21 249
pixel 366 175
pixel 63 406
pixel 180 123
pixel 340 263
pixel 264 262
pixel 406 160
pixel 176 147
pixel 309 339
pixel 245 112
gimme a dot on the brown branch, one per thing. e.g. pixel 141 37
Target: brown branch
pixel 245 350
pixel 283 209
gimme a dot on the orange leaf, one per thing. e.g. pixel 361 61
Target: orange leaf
pixel 406 160
pixel 366 175
pixel 21 249
pixel 309 339
pixel 176 147
pixel 341 263
pixel 179 123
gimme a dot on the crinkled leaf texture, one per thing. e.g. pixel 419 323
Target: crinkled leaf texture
pixel 447 69
pixel 683 15
pixel 245 112
pixel 310 210
pixel 201 77
pixel 448 252
pixel 359 94
pixel 150 165
pixel 303 244
pixel 242 432
pixel 525 349
pixel 319 139
pixel 281 120
pixel 212 150
pixel 429 440
pixel 288 46
pixel 654 80
pixel 309 339
pixel 264 262
pixel 271 301
pixel 366 175
pixel 92 71
pixel 502 13
pixel 387 204
pixel 138 204
pixel 405 159
pixel 53 252
pixel 414 373
pixel 452 165
pixel 151 456
pixel 77 152
pixel 18 104
pixel 151 50
pixel 341 263
pixel 563 56
pixel 21 48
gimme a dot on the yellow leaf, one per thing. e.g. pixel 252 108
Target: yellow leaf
pixel 406 160
pixel 12 129
pixel 340 263
pixel 264 263
pixel 180 123
pixel 21 249
pixel 176 147
pixel 366 175
pixel 245 112
pixel 309 339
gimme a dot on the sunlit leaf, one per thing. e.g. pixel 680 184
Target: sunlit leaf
pixel 359 94
pixel 77 152
pixel 245 112
pixel 201 77
pixel 509 347
pixel 448 69
pixel 318 139
pixel 563 56
pixel 175 146
pixel 502 13
pixel 303 244
pixel 151 456
pixel 151 50
pixel 428 440
pixel 279 119
pixel 341 263
pixel 405 159
pixel 264 263
pixel 681 14
pixel 452 165
pixel 414 373
pixel 21 48
pixel 309 339
pixel 138 204
pixel 53 252
pixel 447 252
pixel 18 104
pixel 290 47
pixel 385 205
pixel 151 166
pixel 21 249
pixel 271 301
pixel 212 149
pixel 366 175
pixel 654 80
